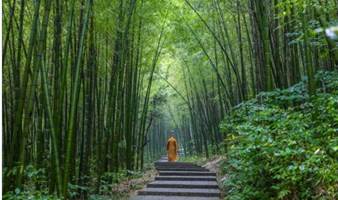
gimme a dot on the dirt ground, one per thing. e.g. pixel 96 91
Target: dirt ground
pixel 128 188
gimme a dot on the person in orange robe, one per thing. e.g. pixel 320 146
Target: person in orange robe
pixel 172 148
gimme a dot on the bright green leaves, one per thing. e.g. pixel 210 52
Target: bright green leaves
pixel 284 144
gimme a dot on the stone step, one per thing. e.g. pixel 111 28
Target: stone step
pixel 186 173
pixel 183 184
pixel 148 197
pixel 177 165
pixel 186 178
pixel 180 192
pixel 173 163
pixel 182 169
pixel 180 181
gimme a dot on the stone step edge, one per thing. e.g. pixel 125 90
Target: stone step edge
pixel 179 193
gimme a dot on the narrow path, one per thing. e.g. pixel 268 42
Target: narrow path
pixel 180 180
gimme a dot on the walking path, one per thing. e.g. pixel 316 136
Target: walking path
pixel 180 181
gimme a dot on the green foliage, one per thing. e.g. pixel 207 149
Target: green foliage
pixel 283 145
pixel 28 195
pixel 34 177
pixel 193 158
pixel 93 88
pixel 74 190
pixel 112 179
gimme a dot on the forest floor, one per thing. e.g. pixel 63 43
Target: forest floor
pixel 133 185
pixel 127 188
pixel 214 164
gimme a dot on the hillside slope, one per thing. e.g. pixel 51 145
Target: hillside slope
pixel 283 144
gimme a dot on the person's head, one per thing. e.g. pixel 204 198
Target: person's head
pixel 172 134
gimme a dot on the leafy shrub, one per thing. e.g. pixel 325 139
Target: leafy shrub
pixel 28 195
pixel 33 177
pixel 283 144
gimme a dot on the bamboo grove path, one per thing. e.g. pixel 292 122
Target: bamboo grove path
pixel 180 181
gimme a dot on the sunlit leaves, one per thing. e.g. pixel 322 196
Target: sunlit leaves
pixel 283 145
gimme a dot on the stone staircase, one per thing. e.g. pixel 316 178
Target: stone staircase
pixel 180 180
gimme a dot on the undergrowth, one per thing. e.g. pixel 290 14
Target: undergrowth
pixel 36 185
pixel 283 144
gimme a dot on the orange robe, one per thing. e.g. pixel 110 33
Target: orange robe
pixel 172 148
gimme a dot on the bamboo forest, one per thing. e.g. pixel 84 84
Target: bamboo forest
pixel 94 94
